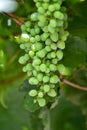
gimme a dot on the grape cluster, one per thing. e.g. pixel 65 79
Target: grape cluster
pixel 43 39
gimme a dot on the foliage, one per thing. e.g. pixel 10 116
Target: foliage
pixel 69 110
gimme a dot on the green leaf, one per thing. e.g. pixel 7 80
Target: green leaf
pixel 15 117
pixel 66 116
pixel 75 53
pixel 30 105
pixel 78 19
pixel 25 86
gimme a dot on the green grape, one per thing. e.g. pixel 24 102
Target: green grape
pixel 40 76
pixel 45 79
pixel 54 37
pixel 41 102
pixel 59 54
pixel 53 54
pixel 41 10
pixel 44 36
pixel 35 73
pixel 38 4
pixel 36 67
pixel 33 92
pixel 61 44
pixel 46 88
pixel 45 29
pixel 57 6
pixel 37 30
pixel 48 48
pixel 33 47
pixel 38 46
pixel 51 29
pixel 49 56
pixel 22 46
pixel 37 38
pixel 42 18
pixel 63 70
pixel 23 59
pixel 52 93
pixel 48 41
pixel 53 46
pixel 33 81
pixel 29 67
pixel 27 24
pixel 45 5
pixel 32 39
pixel 23 28
pixel 37 61
pixel 51 8
pixel 40 94
pixel 53 23
pixel 43 67
pixel 29 73
pixel 34 16
pixel 54 79
pixel 41 53
pixel 32 32
pixel 52 67
pixel 31 53
pixel 25 37
pixel 54 61
pixel 59 15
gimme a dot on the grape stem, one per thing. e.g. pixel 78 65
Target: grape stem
pixel 64 80
pixel 16 19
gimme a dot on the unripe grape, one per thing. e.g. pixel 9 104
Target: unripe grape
pixel 40 76
pixel 59 54
pixel 41 53
pixel 33 92
pixel 53 54
pixel 53 67
pixel 41 10
pixel 59 15
pixel 45 5
pixel 35 73
pixel 43 67
pixel 48 41
pixel 46 88
pixel 45 79
pixel 63 70
pixel 38 46
pixel 41 102
pixel 54 37
pixel 51 8
pixel 61 44
pixel 54 61
pixel 40 94
pixel 37 61
pixel 52 93
pixel 48 48
pixel 53 46
pixel 31 53
pixel 37 38
pixel 34 16
pixel 53 23
pixel 32 39
pixel 54 79
pixel 33 81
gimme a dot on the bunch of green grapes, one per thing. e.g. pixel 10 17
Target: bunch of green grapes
pixel 43 39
